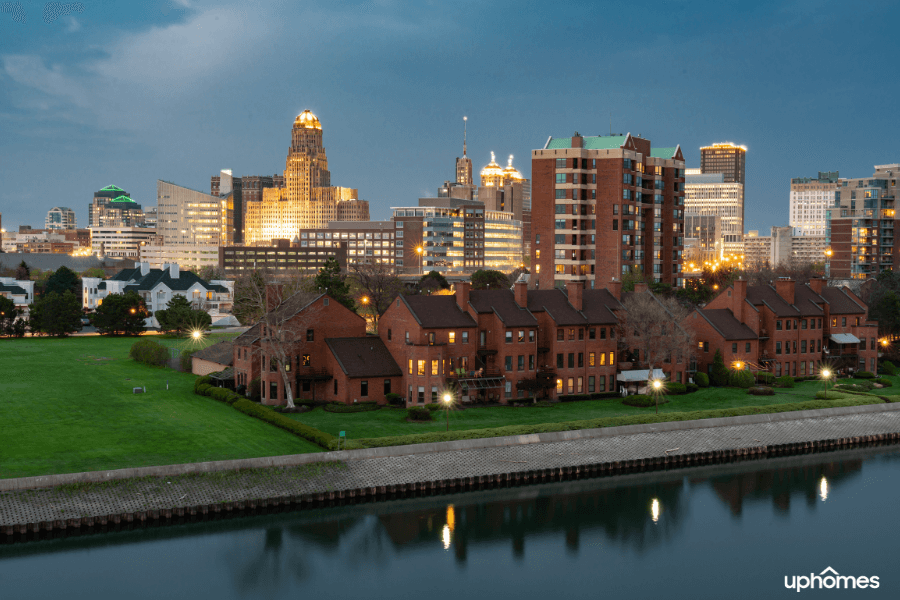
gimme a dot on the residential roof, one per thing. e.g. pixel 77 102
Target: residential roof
pixel 556 304
pixel 221 353
pixel 807 301
pixel 185 280
pixel 248 337
pixel 12 289
pixel 664 152
pixel 840 303
pixel 593 142
pixel 766 294
pixel 724 321
pixel 503 304
pixel 437 311
pixel 363 357
pixel 598 307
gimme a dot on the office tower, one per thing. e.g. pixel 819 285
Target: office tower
pixel 60 217
pixel 125 242
pixel 711 194
pixel 810 198
pixel 113 207
pixel 603 206
pixel 861 223
pixel 727 159
pixel 242 190
pixel 187 216
pixel 704 233
pixel 307 200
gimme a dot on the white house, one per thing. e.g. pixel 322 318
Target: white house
pixel 158 286
pixel 20 292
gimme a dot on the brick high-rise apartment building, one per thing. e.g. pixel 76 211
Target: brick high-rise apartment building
pixel 604 205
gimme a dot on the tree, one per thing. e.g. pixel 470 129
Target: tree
pixel 514 276
pixel 93 272
pixel 179 316
pixel 56 314
pixel 718 375
pixel 652 328
pixel 23 272
pixel 377 283
pixel 121 314
pixel 210 273
pixel 62 280
pixel 433 281
pixel 331 281
pixel 10 323
pixel 486 279
pixel 634 275
pixel 246 308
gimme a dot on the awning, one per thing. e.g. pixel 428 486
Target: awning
pixel 640 375
pixel 844 338
pixel 226 375
pixel 481 383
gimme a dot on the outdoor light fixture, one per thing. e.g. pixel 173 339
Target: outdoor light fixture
pixel 448 399
pixel 738 365
pixel 197 334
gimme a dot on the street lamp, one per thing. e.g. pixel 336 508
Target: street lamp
pixel 826 375
pixel 657 388
pixel 421 263
pixel 448 399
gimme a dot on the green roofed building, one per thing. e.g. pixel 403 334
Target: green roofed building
pixel 114 207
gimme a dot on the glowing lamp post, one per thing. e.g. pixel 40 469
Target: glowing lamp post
pixel 826 375
pixel 197 334
pixel 421 262
pixel 657 387
pixel 448 399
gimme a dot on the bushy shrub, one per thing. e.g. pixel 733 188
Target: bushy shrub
pixel 761 391
pixel 785 381
pixel 740 379
pixel 832 395
pixel 718 375
pixel 337 407
pixel 888 368
pixel 857 386
pixel 643 400
pixel 701 379
pixel 149 352
pixel 765 377
pixel 206 379
pixel 864 375
pixel 675 388
pixel 434 406
pixel 418 413
pixel 884 381
pixel 241 389
pixel 254 389
pixel 395 399
pixel 539 403
pixel 203 389
pixel 691 387
pixel 185 362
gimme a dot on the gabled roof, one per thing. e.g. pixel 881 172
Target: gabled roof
pixel 437 312
pixel 598 307
pixel 766 294
pixel 363 357
pixel 221 353
pixel 186 280
pixel 12 289
pixel 665 152
pixel 248 337
pixel 724 321
pixel 840 303
pixel 503 304
pixel 807 301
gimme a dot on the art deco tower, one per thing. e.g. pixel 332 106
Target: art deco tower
pixel 464 164
pixel 307 200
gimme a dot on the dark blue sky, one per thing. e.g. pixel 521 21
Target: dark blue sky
pixel 131 92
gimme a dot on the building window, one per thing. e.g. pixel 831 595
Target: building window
pixel 521 364
pixel 778 325
pixel 509 337
pixel 560 335
pixel 451 337
pixel 273 390
pixel 434 394
pixel 305 360
pixel 435 369
pixel 421 395
pixel 521 335
pixel 580 359
pixel 777 347
pixel 592 333
pixel 612 358
pixel 531 362
pixel 580 388
pixel 420 368
pixel 571 335
pixel 843 321
pixel 389 334
pixel 802 346
pixel 747 347
pixel 410 366
pixel 310 335
pixel 387 387
pixel 531 335
pixel 581 334
pixel 431 338
pixel 591 359
pixel 571 385
pixel 363 388
pixel 734 347
pixel 560 361
pixel 508 389
pixel 508 363
pixel 591 384
pixel 407 337
pixel 571 360
pixel 803 324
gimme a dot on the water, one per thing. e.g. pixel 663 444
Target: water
pixel 724 531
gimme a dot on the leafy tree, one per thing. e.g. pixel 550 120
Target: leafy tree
pixel 633 276
pixel 56 314
pixel 93 272
pixel 432 281
pixel 121 314
pixel 209 273
pixel 331 281
pixel 719 374
pixel 10 323
pixel 179 316
pixel 23 272
pixel 62 280
pixel 484 279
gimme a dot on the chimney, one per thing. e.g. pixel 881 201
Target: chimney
pixel 145 268
pixel 784 287
pixel 521 289
pixel 173 270
pixel 575 290
pixel 739 295
pixel 615 288
pixel 577 140
pixel 640 287
pixel 462 295
pixel 817 284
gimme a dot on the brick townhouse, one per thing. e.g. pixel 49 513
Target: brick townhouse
pixel 786 329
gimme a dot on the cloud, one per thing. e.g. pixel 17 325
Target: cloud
pixel 73 26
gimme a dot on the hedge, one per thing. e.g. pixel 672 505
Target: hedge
pixel 149 352
pixel 691 387
pixel 701 379
pixel 864 375
pixel 884 381
pixel 592 396
pixel 337 407
pixel 675 388
pixel 471 434
pixel 740 379
pixel 761 391
pixel 643 401
pixel 858 386
pixel 185 361
pixel 395 399
pixel 888 368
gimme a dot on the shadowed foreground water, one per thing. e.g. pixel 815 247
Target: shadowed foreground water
pixel 726 531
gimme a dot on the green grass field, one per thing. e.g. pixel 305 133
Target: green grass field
pixel 391 422
pixel 66 405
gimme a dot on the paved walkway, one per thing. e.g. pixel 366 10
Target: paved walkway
pixel 355 470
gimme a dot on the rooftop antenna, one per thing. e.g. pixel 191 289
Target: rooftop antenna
pixel 465 119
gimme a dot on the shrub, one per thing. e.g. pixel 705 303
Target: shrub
pixel 718 376
pixel 149 352
pixel 860 386
pixel 888 368
pixel 884 381
pixel 740 379
pixel 832 395
pixel 337 407
pixel 254 389
pixel 325 440
pixel 185 362
pixel 785 381
pixel 761 391
pixel 701 379
pixel 765 377
pixel 203 389
pixel 864 375
pixel 241 389
pixel 691 387
pixel 674 388
pixel 395 399
pixel 200 381
pixel 418 413
pixel 434 406
pixel 643 400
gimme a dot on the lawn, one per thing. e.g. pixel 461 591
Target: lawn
pixel 390 421
pixel 66 405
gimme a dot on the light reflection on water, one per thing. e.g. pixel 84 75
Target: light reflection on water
pixel 749 523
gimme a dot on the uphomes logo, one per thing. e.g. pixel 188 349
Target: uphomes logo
pixel 829 579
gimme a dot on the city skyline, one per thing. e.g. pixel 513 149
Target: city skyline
pixel 397 140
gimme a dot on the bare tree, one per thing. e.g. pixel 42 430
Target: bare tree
pixel 655 328
pixel 375 286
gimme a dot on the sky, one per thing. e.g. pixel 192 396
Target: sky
pixel 125 93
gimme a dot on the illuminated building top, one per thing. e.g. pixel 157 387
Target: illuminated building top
pixel 492 174
pixel 724 146
pixel 307 120
pixel 510 172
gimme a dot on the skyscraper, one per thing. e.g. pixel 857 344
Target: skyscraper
pixel 725 158
pixel 809 200
pixel 710 194
pixel 729 160
pixel 603 206
pixel 464 164
pixel 242 190
pixel 60 217
pixel 307 200
pixel 113 207
pixel 187 216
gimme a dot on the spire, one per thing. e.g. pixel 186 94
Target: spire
pixel 509 164
pixel 465 119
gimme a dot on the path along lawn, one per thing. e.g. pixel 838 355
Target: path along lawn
pixel 66 406
pixel 391 421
